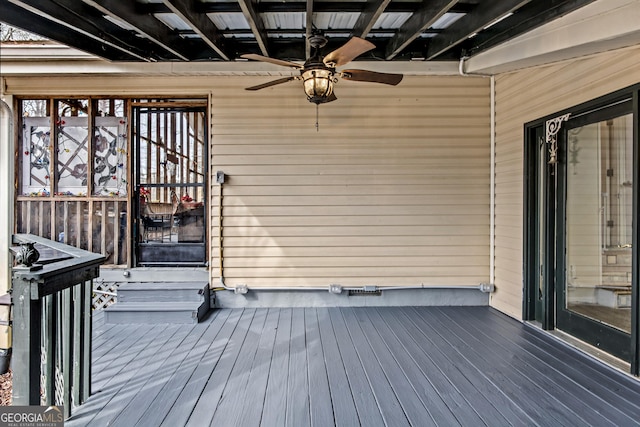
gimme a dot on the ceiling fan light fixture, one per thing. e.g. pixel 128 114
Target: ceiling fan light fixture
pixel 318 84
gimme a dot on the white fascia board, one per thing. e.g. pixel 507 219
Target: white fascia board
pixel 99 67
pixel 62 61
pixel 31 51
pixel 598 27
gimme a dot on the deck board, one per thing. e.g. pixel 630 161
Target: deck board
pixel 232 402
pixel 534 371
pixel 463 388
pixel 214 388
pixel 511 379
pixel 321 409
pixel 344 409
pixel 298 384
pixel 174 386
pixel 256 389
pixel 275 402
pixel 368 366
pixel 560 383
pixel 388 403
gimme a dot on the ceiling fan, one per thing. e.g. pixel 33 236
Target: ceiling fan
pixel 319 74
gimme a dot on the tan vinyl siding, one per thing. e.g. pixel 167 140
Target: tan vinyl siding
pixel 392 190
pixel 524 96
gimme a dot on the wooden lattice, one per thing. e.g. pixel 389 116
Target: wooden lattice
pixel 104 294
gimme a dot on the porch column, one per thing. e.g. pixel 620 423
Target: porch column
pixel 7 180
pixel 6 200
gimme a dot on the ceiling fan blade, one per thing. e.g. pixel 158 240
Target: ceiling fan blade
pixel 371 76
pixel 272 83
pixel 271 60
pixel 348 51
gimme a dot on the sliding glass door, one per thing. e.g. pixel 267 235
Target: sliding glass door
pixel 594 295
pixel 581 233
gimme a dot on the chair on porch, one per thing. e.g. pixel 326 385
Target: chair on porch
pixel 158 219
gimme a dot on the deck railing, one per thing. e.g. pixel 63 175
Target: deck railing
pixel 52 325
pixel 96 224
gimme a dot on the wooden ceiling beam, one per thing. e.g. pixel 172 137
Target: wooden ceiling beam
pixel 423 18
pixel 471 24
pixel 28 21
pixel 74 19
pixel 200 23
pixel 144 24
pixel 255 23
pixel 368 17
pixel 308 27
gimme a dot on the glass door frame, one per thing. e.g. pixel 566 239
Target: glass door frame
pixel 545 265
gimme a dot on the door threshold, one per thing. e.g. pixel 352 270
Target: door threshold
pixel 593 351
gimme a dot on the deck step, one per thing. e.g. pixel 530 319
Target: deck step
pixel 159 302
pixel 162 291
pixel 162 312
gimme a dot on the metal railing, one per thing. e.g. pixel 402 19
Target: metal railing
pixel 52 324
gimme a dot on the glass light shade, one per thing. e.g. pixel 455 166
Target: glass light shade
pixel 318 84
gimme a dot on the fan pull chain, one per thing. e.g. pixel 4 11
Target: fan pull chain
pixel 317 124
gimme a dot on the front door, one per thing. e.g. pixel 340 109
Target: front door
pixel 170 184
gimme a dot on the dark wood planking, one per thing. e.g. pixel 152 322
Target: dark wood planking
pixel 412 402
pixel 232 401
pixel 344 409
pixel 537 371
pixel 120 355
pixel 458 382
pixel 512 379
pixel 257 385
pixel 140 370
pixel 366 404
pixel 435 389
pixel 216 383
pixel 174 387
pixel 151 391
pixel 388 403
pixel 465 365
pixel 183 406
pixel 474 384
pixel 275 402
pixel 125 361
pixel 297 413
pixel 321 409
pixel 581 371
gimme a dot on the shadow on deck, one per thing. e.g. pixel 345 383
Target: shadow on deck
pixel 349 366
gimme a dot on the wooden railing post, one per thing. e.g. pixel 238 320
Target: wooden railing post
pixel 52 326
pixel 26 343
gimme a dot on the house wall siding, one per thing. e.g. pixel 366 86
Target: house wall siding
pixel 392 189
pixel 524 96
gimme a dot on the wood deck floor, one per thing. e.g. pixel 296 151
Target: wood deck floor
pixel 393 367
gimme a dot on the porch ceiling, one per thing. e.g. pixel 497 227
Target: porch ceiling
pixel 215 30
